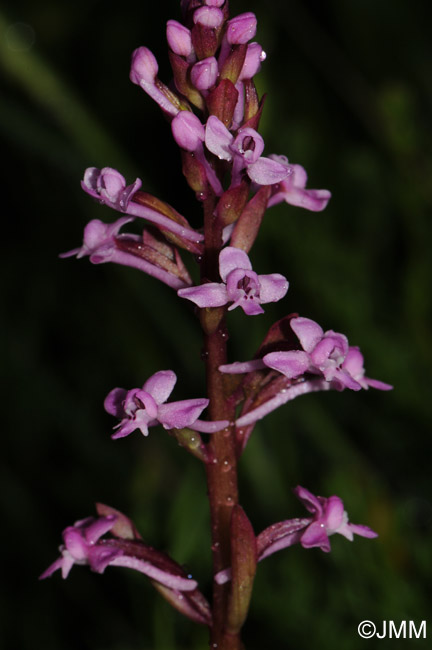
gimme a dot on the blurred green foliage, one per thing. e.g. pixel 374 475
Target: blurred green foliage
pixel 349 97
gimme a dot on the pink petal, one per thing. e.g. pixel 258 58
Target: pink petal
pixel 250 307
pixel 99 527
pixel 291 364
pixel 309 500
pixel 363 531
pixel 232 258
pixel 160 385
pixel 379 385
pixel 273 287
pixel 114 402
pixel 307 331
pixel 333 513
pixel 58 564
pixel 315 535
pixel 267 172
pixel 218 138
pixel 177 415
pixel 210 294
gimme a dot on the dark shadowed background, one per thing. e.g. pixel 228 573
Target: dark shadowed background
pixel 350 98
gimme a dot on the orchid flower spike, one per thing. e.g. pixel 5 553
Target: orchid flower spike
pixel 141 408
pixel 241 286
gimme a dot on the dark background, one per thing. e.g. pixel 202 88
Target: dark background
pixel 349 97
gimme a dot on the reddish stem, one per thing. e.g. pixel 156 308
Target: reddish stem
pixel 222 468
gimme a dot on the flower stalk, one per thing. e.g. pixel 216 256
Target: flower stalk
pixel 214 112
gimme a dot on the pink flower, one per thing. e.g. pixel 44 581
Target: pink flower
pixel 103 243
pixel 328 518
pixel 82 544
pixel 245 151
pixel 108 186
pixel 141 408
pixel 241 286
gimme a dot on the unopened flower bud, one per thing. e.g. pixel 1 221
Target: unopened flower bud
pixel 208 17
pixel 179 38
pixel 204 73
pixel 187 130
pixel 241 28
pixel 255 55
pixel 144 66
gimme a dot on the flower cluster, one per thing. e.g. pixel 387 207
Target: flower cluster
pixel 214 112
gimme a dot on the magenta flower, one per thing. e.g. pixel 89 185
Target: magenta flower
pixel 108 186
pixel 241 286
pixel 103 243
pixel 141 408
pixel 82 544
pixel 328 518
pixel 293 190
pixel 245 151
pixel 144 69
pixel 326 354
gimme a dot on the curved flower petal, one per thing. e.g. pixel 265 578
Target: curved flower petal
pixel 267 172
pixel 177 415
pixel 315 535
pixel 160 385
pixel 211 294
pixel 363 531
pixel 291 363
pixel 309 500
pixel 308 332
pixel 218 138
pixel 273 287
pixel 333 513
pixel 114 402
pixel 232 258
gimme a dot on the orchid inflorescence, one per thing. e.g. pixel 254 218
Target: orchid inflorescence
pixel 214 112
